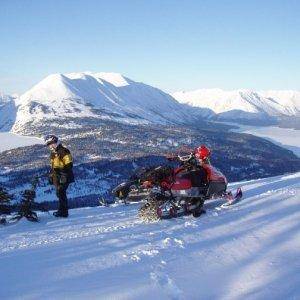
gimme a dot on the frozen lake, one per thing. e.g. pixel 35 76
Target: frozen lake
pixel 9 140
pixel 284 137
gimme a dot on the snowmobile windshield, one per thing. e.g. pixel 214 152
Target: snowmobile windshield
pixel 181 153
pixel 185 158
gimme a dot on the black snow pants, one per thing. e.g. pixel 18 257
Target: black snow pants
pixel 61 193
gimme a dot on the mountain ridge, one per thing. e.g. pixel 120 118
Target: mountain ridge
pixel 272 103
pixel 112 96
pixel 100 95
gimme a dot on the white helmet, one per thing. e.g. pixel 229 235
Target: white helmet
pixel 51 139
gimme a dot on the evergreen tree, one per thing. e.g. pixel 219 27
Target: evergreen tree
pixel 27 202
pixel 5 198
pixel 5 206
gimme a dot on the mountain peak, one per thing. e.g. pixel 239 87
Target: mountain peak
pixel 116 79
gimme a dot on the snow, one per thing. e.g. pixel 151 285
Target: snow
pixel 115 79
pixel 7 112
pixel 273 103
pixel 247 251
pixel 215 99
pixel 284 137
pixel 112 96
pixel 289 99
pixel 11 140
pixel 79 94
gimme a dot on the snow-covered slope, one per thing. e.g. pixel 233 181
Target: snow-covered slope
pixel 289 101
pixel 7 112
pixel 104 95
pixel 247 251
pixel 243 103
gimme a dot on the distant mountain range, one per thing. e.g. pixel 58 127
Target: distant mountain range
pixel 244 106
pixel 111 96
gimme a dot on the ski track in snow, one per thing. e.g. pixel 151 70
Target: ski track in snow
pixel 246 251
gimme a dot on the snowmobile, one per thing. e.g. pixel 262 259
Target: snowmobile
pixel 171 192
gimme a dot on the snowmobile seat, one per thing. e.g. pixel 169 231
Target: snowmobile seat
pixel 181 184
pixel 197 177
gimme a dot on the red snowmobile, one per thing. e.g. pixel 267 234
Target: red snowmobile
pixel 171 192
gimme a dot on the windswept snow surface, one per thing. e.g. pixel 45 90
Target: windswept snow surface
pixel 247 251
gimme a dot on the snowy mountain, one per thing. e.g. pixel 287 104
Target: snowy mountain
pixel 247 251
pixel 244 104
pixel 7 112
pixel 289 101
pixel 109 96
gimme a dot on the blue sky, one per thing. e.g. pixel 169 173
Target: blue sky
pixel 174 45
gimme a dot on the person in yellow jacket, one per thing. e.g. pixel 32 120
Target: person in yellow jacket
pixel 61 174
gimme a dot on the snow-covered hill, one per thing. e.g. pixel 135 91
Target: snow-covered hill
pixel 99 95
pixel 248 251
pixel 244 104
pixel 7 112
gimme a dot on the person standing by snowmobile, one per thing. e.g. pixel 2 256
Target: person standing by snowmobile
pixel 61 174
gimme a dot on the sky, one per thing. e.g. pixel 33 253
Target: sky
pixel 171 44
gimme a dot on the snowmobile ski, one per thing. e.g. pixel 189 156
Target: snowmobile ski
pixel 231 200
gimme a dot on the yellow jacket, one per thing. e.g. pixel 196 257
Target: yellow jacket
pixel 61 162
